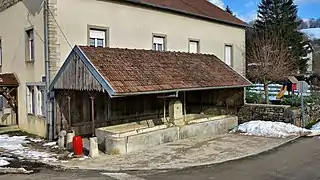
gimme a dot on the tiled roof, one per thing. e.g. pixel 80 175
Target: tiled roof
pixel 135 71
pixel 201 8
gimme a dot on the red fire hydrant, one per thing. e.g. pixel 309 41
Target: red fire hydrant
pixel 77 146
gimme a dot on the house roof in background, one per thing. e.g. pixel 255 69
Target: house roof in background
pixel 199 8
pixel 131 71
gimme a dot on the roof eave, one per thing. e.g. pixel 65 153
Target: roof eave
pixel 178 90
pixel 187 13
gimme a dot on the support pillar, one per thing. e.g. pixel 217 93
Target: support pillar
pixel 93 149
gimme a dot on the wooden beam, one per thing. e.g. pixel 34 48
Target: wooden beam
pixel 6 93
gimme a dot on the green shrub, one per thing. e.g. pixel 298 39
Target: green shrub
pixel 293 101
pixel 252 97
pixel 311 123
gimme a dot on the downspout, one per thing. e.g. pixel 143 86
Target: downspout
pixel 47 74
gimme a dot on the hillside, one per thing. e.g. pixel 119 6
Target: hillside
pixel 313 33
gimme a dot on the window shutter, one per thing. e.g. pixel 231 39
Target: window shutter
pixel 158 40
pixel 97 34
pixel 193 47
pixel 228 55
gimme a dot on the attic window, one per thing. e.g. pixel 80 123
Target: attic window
pixel 159 43
pixel 97 38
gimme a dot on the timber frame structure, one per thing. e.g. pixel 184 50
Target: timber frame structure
pixel 9 90
pixel 98 87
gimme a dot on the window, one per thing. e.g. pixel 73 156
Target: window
pixel 193 46
pixel 0 52
pixel 30 45
pixel 97 38
pixel 35 100
pixel 228 54
pixel 158 43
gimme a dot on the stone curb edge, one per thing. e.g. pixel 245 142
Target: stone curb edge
pixel 183 167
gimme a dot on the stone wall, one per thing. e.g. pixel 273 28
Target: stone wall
pixel 5 4
pixel 279 113
pixel 265 112
pixel 313 112
pixel 53 43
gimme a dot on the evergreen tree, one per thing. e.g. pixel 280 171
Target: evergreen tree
pixel 228 10
pixel 280 17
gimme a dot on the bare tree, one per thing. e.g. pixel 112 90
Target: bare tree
pixel 268 60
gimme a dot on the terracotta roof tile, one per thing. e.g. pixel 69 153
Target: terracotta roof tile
pixel 133 71
pixel 197 7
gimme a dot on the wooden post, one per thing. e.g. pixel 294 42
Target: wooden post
pixel 92 114
pixel 201 106
pixel 69 113
pixel 164 109
pixel 184 106
pixel 109 108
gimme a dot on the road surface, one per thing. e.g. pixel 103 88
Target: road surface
pixel 297 161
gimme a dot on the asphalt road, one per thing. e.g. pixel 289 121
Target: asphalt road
pixel 297 161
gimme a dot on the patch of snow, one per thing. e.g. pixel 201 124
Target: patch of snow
pixel 35 140
pixel 14 170
pixel 70 155
pixel 30 154
pixel 3 162
pixel 316 126
pixel 270 129
pixel 83 158
pixel 12 143
pixel 50 144
pixel 50 159
pixel 14 146
pixel 7 158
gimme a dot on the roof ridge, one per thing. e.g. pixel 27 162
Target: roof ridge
pixel 154 51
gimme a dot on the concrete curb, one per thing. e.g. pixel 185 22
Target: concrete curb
pixel 183 166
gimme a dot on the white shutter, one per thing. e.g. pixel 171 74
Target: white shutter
pixel 0 53
pixel 29 99
pixel 193 46
pixel 158 40
pixel 39 102
pixel 96 34
pixel 228 55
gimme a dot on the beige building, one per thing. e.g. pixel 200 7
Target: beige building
pixel 164 25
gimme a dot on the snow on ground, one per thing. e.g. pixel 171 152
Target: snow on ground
pixel 50 144
pixel 36 140
pixel 316 126
pixel 14 146
pixel 3 162
pixel 270 129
